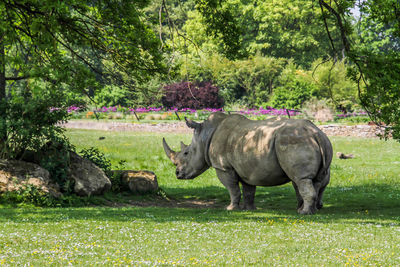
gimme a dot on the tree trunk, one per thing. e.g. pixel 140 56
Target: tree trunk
pixel 2 72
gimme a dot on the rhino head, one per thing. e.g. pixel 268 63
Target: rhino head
pixel 191 161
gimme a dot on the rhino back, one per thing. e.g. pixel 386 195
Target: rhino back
pixel 248 147
pixel 267 152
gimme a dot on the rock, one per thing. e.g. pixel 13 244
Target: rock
pixel 341 155
pixel 15 174
pixel 139 181
pixel 89 178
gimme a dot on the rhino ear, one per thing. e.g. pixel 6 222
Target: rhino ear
pixel 183 146
pixel 170 153
pixel 192 124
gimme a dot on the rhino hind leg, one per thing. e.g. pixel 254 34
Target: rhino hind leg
pixel 249 192
pixel 231 182
pixel 309 196
pixel 298 196
pixel 320 186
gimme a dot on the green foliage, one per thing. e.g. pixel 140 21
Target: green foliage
pixel 149 94
pixel 66 47
pixel 290 29
pixel 282 29
pixel 94 155
pixel 29 120
pixel 222 24
pixel 332 83
pixel 27 195
pixel 376 36
pixel 376 57
pixel 50 51
pixel 294 89
pixel 115 177
pixel 381 96
pixel 112 95
pixel 55 157
pixel 68 42
pixel 258 76
pixel 252 80
pixel 291 96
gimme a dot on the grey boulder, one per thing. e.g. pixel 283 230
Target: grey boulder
pixel 89 178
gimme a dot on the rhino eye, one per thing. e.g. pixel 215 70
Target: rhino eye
pixel 185 153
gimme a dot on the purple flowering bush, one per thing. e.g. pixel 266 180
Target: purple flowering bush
pixel 192 95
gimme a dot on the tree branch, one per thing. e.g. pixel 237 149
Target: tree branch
pixel 18 78
pixel 339 20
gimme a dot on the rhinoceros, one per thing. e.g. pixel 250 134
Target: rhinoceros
pixel 258 153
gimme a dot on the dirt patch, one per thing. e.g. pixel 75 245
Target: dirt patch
pixel 363 130
pixel 168 203
pixel 176 127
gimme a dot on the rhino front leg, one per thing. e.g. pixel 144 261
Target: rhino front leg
pixel 249 192
pixel 231 181
pixel 309 196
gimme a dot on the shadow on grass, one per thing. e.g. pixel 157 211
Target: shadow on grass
pixel 376 204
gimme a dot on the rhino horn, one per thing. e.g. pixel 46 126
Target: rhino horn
pixel 170 153
pixel 183 146
pixel 192 124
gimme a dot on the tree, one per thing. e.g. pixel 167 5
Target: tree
pixel 49 47
pixel 290 29
pixel 59 42
pixel 376 70
pixel 333 83
pixel 376 65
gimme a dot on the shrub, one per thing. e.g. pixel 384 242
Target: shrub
pixel 294 89
pixel 112 95
pixel 55 157
pixel 28 194
pixel 249 81
pixel 30 120
pixel 98 158
pixel 291 95
pixel 332 82
pixel 191 95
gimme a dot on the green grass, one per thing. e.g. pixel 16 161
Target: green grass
pixel 359 225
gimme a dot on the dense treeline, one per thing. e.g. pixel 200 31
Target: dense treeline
pixel 284 53
pixel 281 56
pixel 258 53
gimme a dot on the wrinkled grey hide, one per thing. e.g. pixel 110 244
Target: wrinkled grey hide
pixel 258 153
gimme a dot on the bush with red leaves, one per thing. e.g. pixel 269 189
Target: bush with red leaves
pixel 191 95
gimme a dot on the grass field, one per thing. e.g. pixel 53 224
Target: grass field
pixel 358 226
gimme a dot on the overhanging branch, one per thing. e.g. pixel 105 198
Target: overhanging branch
pixel 17 78
pixel 339 20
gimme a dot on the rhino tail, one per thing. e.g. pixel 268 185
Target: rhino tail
pixel 325 148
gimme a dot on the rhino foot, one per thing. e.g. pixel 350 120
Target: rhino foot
pixel 249 207
pixel 233 207
pixel 304 211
